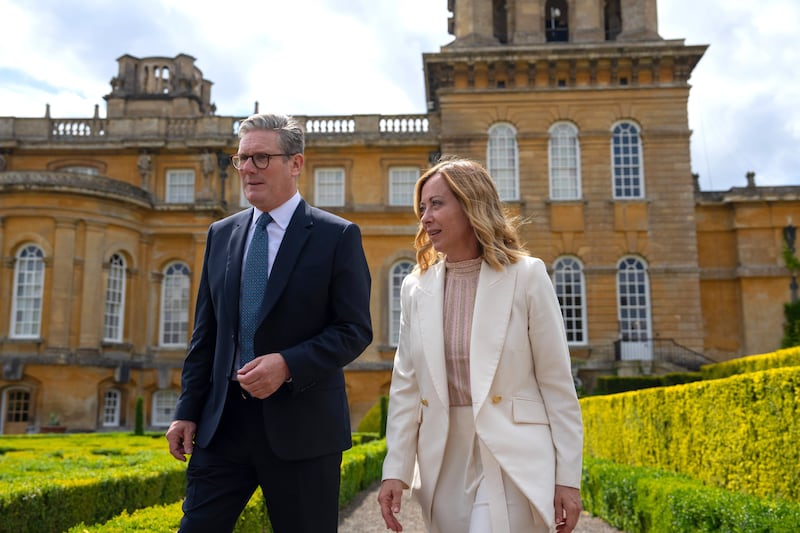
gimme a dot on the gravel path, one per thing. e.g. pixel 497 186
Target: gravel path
pixel 362 515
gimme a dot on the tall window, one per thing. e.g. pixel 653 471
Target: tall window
pixel 556 21
pixel 570 289
pixel 164 402
pixel 175 305
pixel 112 401
pixel 502 160
pixel 626 161
pixel 26 302
pixel 329 187
pixel 613 19
pixel 565 166
pixel 180 186
pixel 401 185
pixel 633 292
pixel 396 276
pixel 115 300
pixel 18 406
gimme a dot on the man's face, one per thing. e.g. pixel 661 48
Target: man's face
pixel 267 188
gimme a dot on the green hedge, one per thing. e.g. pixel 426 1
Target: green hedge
pixel 616 384
pixel 361 466
pixel 49 482
pixel 739 433
pixel 638 499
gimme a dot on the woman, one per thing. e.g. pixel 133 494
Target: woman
pixel 483 418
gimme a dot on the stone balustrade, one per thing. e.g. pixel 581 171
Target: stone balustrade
pixel 213 130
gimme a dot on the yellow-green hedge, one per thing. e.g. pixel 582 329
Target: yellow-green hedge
pixel 740 433
pixel 753 363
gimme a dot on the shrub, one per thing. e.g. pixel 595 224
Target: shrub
pixel 638 499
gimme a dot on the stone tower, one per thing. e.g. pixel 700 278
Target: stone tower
pixel 546 92
pixel 159 87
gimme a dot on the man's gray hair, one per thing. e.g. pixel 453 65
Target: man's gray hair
pixel 290 134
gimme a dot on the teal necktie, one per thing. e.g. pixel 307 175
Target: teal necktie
pixel 253 289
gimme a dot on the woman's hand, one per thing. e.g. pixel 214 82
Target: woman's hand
pixel 389 499
pixel 568 508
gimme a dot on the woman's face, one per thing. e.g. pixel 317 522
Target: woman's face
pixel 445 221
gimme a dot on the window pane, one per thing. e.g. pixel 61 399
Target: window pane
pixel 164 403
pixel 18 406
pixel 26 304
pixel 502 160
pixel 634 300
pixel 180 186
pixel 626 161
pixel 398 273
pixel 564 162
pixel 401 185
pixel 569 286
pixel 115 300
pixel 111 408
pixel 329 187
pixel 175 305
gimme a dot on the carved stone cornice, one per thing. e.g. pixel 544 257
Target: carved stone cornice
pixel 49 181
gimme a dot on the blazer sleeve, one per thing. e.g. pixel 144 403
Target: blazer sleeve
pixel 554 375
pixel 348 330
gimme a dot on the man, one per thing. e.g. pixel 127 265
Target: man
pixel 263 398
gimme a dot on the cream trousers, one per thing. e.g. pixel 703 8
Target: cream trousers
pixel 461 502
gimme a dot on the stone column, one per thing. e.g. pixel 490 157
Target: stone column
pixel 639 20
pixel 473 22
pixel 62 295
pixel 527 22
pixel 586 22
pixel 92 308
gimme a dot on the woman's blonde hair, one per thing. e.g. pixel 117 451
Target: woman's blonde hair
pixel 474 188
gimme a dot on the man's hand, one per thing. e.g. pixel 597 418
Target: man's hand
pixel 265 374
pixel 389 499
pixel 181 438
pixel 568 508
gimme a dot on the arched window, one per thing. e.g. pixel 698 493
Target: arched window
pixel 502 160
pixel 570 288
pixel 164 402
pixel 613 19
pixel 112 403
pixel 626 161
pixel 556 21
pixel 26 300
pixel 633 294
pixel 500 20
pixel 565 162
pixel 397 274
pixel 175 305
pixel 113 319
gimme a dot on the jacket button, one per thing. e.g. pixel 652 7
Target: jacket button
pixel 497 399
pixel 424 402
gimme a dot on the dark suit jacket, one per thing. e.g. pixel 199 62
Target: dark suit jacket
pixel 316 314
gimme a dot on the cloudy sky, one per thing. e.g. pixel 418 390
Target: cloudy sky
pixel 309 57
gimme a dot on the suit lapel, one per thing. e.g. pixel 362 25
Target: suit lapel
pixel 297 233
pixel 430 313
pixel 493 302
pixel 233 268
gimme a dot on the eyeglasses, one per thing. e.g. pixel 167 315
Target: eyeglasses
pixel 261 161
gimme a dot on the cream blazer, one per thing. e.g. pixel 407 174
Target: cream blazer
pixel 524 403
